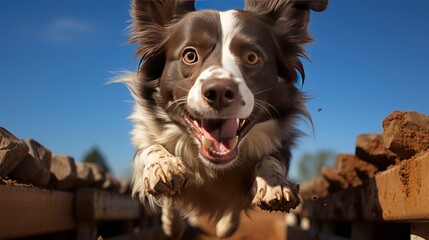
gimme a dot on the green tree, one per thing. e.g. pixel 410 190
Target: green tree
pixel 310 164
pixel 94 156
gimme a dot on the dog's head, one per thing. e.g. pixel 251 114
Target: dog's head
pixel 218 74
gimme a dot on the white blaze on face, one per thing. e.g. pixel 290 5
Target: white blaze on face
pixel 228 70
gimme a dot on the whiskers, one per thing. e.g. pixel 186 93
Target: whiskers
pixel 263 91
pixel 176 103
pixel 265 107
pixel 180 87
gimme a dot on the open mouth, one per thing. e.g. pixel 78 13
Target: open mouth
pixel 219 138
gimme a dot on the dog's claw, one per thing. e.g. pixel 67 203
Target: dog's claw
pixel 276 197
pixel 287 196
pixel 167 177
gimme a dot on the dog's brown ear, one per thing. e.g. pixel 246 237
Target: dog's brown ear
pixel 289 20
pixel 151 17
pixel 290 17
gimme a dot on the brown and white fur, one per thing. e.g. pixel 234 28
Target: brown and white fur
pixel 216 101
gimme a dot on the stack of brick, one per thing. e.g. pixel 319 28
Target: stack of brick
pixel 28 161
pixel 405 136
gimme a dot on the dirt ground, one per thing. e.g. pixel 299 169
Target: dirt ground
pixel 260 225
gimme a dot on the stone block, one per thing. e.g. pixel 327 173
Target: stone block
pixel 314 189
pixel 406 133
pixel 31 170
pixel 65 172
pixel 370 148
pixel 354 170
pixel 12 151
pixel 111 183
pixel 336 181
pixel 98 174
pixel 38 151
pixel 85 174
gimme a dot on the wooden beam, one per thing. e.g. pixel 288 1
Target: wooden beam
pixel 397 194
pixel 100 205
pixel 29 211
pixel 362 231
pixel 87 230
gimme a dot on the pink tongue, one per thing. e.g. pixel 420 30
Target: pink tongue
pixel 220 133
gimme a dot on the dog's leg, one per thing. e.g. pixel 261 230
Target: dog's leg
pixel 159 173
pixel 228 224
pixel 273 191
pixel 172 223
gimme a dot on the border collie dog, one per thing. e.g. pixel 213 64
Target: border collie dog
pixel 216 101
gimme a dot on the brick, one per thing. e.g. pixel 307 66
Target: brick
pixel 30 170
pixel 314 189
pixel 65 172
pixel 12 152
pixel 370 148
pixel 85 174
pixel 350 171
pixel 397 194
pixel 34 168
pixel 98 174
pixel 111 183
pixel 336 181
pixel 39 152
pixel 406 133
pixel 354 170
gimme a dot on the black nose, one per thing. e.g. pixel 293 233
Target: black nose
pixel 219 93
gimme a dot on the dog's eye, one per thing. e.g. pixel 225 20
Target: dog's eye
pixel 251 58
pixel 189 55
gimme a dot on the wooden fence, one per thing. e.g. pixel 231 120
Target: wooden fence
pixel 45 196
pixel 88 213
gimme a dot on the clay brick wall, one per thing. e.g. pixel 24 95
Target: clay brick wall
pixel 380 192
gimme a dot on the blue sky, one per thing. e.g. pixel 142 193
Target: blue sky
pixel 369 58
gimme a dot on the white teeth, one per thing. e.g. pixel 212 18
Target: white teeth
pixel 233 142
pixel 207 143
pixel 242 122
pixel 237 121
pixel 219 153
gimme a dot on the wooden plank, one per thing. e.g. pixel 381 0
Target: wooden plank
pixel 100 205
pixel 397 194
pixel 87 230
pixel 27 211
pixel 362 231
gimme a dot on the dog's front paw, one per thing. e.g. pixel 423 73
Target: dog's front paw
pixel 166 176
pixel 276 195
